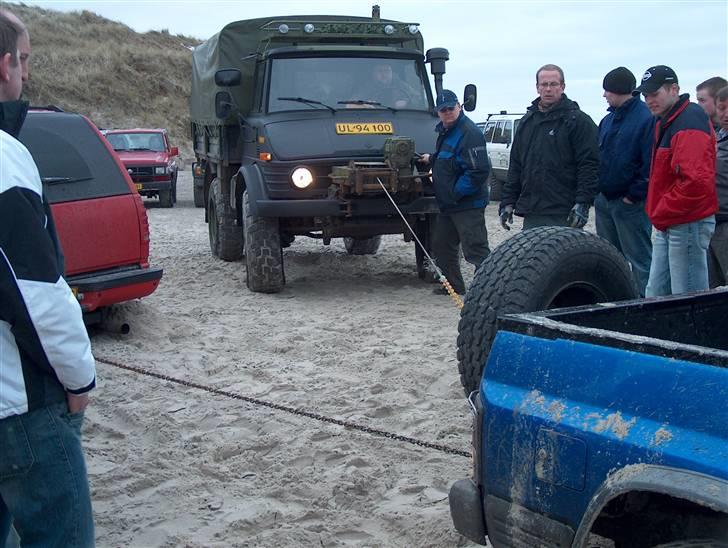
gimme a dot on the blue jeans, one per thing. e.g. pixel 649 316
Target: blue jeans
pixel 680 258
pixel 43 486
pixel 627 227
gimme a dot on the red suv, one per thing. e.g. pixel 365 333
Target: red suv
pixel 150 161
pixel 100 218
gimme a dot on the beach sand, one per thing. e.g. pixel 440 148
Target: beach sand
pixel 356 338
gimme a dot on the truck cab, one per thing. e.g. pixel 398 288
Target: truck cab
pixel 310 126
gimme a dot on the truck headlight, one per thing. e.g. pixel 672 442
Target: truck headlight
pixel 302 177
pixel 160 170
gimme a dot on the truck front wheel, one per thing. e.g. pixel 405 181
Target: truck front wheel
pixel 226 237
pixel 536 269
pixel 263 252
pixel 362 246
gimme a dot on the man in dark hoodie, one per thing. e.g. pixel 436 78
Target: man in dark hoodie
pixel 625 144
pixel 46 365
pixel 553 172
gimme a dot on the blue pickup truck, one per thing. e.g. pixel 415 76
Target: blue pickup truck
pixel 603 419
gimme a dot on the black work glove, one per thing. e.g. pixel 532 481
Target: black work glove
pixel 506 216
pixel 578 216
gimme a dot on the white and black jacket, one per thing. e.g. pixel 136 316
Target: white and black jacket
pixel 44 348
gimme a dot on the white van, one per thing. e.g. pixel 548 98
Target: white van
pixel 499 130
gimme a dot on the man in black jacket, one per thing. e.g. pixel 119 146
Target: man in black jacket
pixel 554 165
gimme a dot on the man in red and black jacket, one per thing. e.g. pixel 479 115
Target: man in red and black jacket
pixel 681 196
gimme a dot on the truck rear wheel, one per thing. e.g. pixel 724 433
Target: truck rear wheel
pixel 226 237
pixel 165 198
pixel 263 252
pixel 362 246
pixel 423 229
pixel 198 195
pixel 536 269
pixel 495 188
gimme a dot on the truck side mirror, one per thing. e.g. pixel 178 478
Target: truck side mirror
pixel 227 77
pixel 470 97
pixel 174 151
pixel 223 104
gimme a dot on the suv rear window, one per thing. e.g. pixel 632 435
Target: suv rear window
pixel 73 161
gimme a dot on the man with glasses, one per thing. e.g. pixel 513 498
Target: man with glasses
pixel 681 195
pixel 554 166
pixel 460 168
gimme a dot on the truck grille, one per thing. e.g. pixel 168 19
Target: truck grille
pixel 141 174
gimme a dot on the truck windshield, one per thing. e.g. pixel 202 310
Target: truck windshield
pixel 347 82
pixel 136 141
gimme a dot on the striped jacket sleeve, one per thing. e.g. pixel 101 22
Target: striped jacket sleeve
pixel 36 303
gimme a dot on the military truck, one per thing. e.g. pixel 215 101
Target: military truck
pixel 310 126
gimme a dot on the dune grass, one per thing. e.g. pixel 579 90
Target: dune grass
pixel 82 62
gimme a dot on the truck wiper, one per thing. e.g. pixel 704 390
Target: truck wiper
pixel 306 102
pixel 57 180
pixel 142 148
pixel 362 102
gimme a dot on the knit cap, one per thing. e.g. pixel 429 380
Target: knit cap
pixel 620 81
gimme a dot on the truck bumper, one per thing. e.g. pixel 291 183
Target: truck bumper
pixel 337 208
pixel 466 509
pixel 103 289
pixel 153 186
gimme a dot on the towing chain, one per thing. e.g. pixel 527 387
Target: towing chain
pixel 288 409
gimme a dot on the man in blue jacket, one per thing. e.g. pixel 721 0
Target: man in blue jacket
pixel 625 146
pixel 460 168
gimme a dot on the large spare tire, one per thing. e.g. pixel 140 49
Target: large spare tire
pixel 537 269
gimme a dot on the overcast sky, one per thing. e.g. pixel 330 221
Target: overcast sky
pixel 497 45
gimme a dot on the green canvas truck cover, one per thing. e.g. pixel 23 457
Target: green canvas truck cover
pixel 239 44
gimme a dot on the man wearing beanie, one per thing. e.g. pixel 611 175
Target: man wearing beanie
pixel 625 139
pixel 553 172
pixel 681 196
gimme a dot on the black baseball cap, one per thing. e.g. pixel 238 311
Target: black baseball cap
pixel 656 77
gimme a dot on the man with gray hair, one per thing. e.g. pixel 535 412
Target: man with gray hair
pixel 46 365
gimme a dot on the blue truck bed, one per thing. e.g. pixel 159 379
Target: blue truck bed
pixel 607 419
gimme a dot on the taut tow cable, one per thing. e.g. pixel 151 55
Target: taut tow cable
pixel 440 276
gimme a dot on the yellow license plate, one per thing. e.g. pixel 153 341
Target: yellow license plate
pixel 383 128
pixel 138 186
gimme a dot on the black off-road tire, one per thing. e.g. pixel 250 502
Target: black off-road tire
pixel 423 229
pixel 174 188
pixel 362 246
pixel 263 252
pixel 226 237
pixel 537 269
pixel 198 195
pixel 496 188
pixel 166 198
